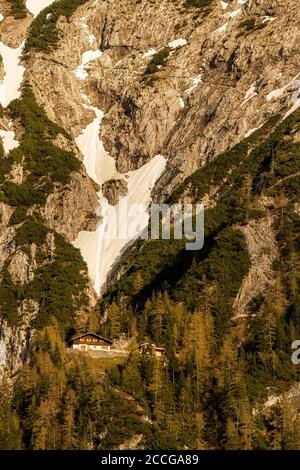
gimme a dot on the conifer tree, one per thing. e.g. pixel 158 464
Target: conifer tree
pixel 156 316
pixel 131 376
pixel 138 283
pixel 69 427
pixel 246 426
pixel 232 441
pixel 10 433
pixel 113 323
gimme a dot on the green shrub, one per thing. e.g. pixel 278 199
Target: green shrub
pixel 18 8
pixel 5 164
pixel 31 231
pixel 22 194
pixel 261 25
pixel 248 24
pixel 198 3
pixel 59 281
pixel 9 295
pixel 158 60
pixel 18 216
pixel 58 285
pixel 45 163
pixel 43 35
pixel 33 117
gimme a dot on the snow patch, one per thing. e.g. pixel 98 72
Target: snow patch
pixel 173 45
pixel 177 43
pixel 275 94
pixel 293 87
pixel 87 57
pixel 222 28
pixel 36 6
pixel 100 166
pixel 9 86
pixel 269 19
pixel 224 5
pixel 99 249
pixel 235 13
pixel 1 17
pixel 90 36
pixel 195 82
pixel 250 93
pixel 149 53
pixel 295 98
pixel 9 141
pixel 181 102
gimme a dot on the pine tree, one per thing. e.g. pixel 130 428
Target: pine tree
pixel 156 389
pixel 232 435
pixel 198 345
pixel 10 433
pixel 132 381
pixel 138 283
pixel 69 428
pixel 246 426
pixel 200 431
pixel 113 323
pixel 41 426
pixel 246 195
pixel 155 318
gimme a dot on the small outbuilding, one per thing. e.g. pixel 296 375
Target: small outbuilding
pixel 151 348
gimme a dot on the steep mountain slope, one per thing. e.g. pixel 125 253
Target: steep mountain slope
pixel 228 314
pixel 189 101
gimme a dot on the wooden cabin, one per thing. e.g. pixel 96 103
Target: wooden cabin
pixel 90 342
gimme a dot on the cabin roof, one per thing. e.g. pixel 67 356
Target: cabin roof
pixel 157 348
pixel 91 334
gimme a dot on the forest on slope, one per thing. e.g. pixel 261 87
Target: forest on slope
pixel 221 365
pixel 218 367
pixel 226 315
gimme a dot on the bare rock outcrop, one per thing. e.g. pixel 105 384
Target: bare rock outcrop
pixel 215 87
pixel 263 250
pixel 20 268
pixel 13 30
pixel 72 209
pixel 114 190
pixel 15 341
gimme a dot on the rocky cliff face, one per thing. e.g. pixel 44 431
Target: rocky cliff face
pixel 107 102
pixel 213 89
pixel 172 79
pixel 214 86
pixel 68 208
